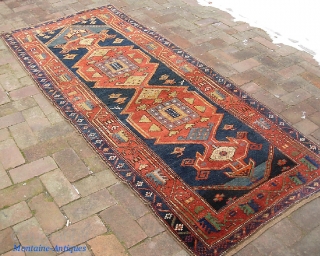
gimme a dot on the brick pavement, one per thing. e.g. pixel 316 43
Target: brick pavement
pixel 50 178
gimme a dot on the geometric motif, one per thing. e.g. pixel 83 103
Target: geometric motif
pixel 172 113
pixel 116 66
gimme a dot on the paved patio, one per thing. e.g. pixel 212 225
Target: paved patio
pixel 50 177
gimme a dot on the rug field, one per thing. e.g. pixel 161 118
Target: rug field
pixel 213 163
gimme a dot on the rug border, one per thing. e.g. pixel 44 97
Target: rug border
pixel 265 226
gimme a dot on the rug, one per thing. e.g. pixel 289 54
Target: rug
pixel 213 163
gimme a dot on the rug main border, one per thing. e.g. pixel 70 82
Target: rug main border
pixel 280 206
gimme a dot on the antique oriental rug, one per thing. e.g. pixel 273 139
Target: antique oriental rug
pixel 213 163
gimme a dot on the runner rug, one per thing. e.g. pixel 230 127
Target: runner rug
pixel 214 164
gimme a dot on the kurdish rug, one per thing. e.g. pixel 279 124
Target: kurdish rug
pixel 213 163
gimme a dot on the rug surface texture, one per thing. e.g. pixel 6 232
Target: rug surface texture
pixel 214 164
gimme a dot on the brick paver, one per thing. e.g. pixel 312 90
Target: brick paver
pixel 291 71
pixel 4 178
pixel 265 42
pixel 309 244
pixel 59 187
pixel 312 78
pixel 11 119
pixel 44 148
pixel 7 240
pixel 23 135
pixel 307 125
pixel 119 220
pixel 102 214
pixel 107 245
pixel 3 97
pixel 132 203
pixel 10 155
pixel 14 253
pixel 14 214
pixel 15 106
pixel 286 232
pixel 44 104
pixel 30 233
pixel 20 192
pixel 249 250
pixel 246 64
pixel 35 118
pixel 56 130
pixel 95 182
pixel 30 170
pixel 245 77
pixel 9 82
pixel 306 217
pixel 47 213
pixel 150 225
pixel 79 232
pixel 82 250
pixel 24 92
pixel 153 246
pixel 316 135
pixel 70 164
pixel 89 205
pixel 4 134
